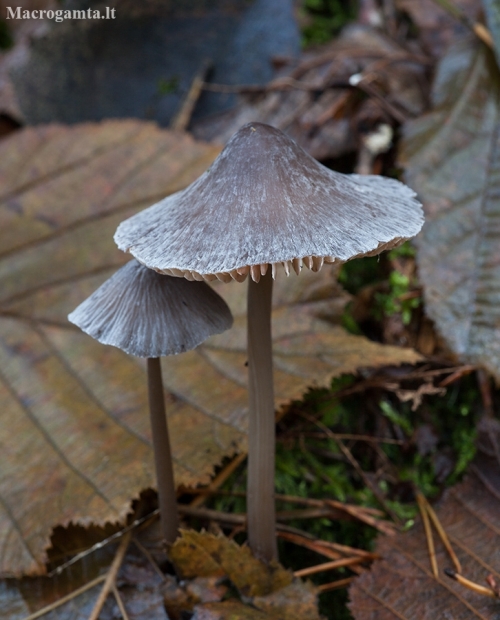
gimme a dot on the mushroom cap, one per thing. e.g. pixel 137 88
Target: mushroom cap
pixel 148 314
pixel 266 201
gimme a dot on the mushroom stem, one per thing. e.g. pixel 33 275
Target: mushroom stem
pixel 261 511
pixel 167 497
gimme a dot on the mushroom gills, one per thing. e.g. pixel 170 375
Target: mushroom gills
pixel 240 274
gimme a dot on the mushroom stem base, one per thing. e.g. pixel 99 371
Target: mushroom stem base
pixel 167 497
pixel 261 511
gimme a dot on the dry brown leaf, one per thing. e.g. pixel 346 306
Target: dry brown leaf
pixel 270 590
pixel 74 433
pixel 297 601
pixel 453 162
pixel 200 554
pixel 228 610
pixel 401 585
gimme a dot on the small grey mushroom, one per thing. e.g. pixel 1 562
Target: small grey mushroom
pixel 148 314
pixel 263 203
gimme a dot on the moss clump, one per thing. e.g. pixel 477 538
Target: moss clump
pixel 325 18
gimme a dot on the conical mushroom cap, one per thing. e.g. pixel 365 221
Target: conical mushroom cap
pixel 148 314
pixel 266 201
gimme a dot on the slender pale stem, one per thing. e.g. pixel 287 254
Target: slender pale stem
pixel 163 455
pixel 261 509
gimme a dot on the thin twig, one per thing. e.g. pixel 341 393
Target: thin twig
pixel 219 480
pixel 292 499
pixel 149 557
pixel 455 372
pixel 444 536
pixel 348 436
pixel 349 551
pixel 422 506
pixel 373 91
pixel 386 527
pixel 237 529
pixel 484 382
pixel 320 568
pixel 307 513
pixel 336 55
pixel 327 549
pixel 281 527
pixel 182 118
pixel 238 518
pixel 335 585
pixel 333 109
pixel 460 372
pixel 491 581
pixel 111 576
pixel 348 454
pixel 119 602
pixel 280 84
pixel 292 81
pixel 66 599
pixel 471 585
pixel 313 545
pixel 458 13
pixel 113 538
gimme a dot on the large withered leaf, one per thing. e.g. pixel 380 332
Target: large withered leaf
pixel 74 441
pixel 401 585
pixel 452 159
pixel 74 432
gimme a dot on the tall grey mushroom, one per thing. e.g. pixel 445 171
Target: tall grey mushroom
pixel 148 314
pixel 264 202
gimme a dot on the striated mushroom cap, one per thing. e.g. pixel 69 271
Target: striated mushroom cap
pixel 148 314
pixel 265 201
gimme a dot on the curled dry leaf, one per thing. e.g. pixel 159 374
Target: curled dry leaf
pixel 269 589
pixel 452 159
pixel 74 430
pixel 196 554
pixel 401 585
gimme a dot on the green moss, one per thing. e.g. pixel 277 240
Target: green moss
pixel 356 274
pixel 311 464
pixel 392 292
pixel 325 18
pixel 394 301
